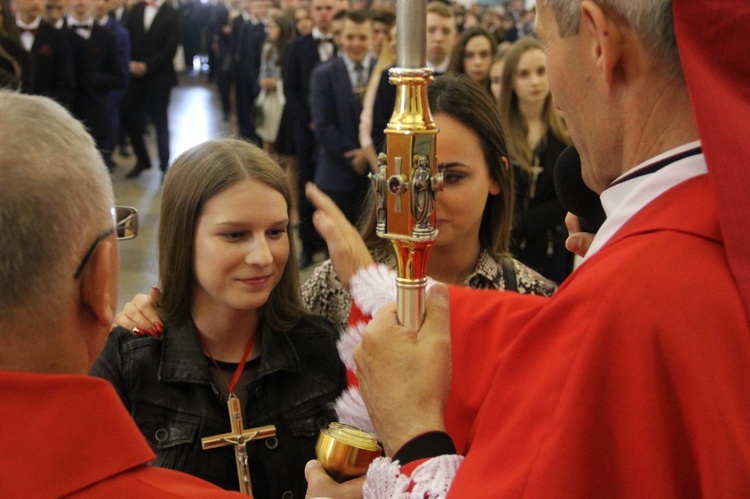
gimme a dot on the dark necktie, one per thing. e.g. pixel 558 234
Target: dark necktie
pixel 359 86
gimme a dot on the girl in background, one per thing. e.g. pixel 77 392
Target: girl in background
pixel 271 101
pixel 536 136
pixel 472 55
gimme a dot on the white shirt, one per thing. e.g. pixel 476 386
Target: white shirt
pixel 27 38
pixel 622 201
pixel 442 68
pixel 325 44
pixel 119 11
pixel 149 13
pixel 83 33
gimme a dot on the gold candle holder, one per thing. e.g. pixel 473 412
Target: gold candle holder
pixel 346 451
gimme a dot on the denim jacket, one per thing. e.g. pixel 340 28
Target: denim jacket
pixel 167 386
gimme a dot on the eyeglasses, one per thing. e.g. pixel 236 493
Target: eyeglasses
pixel 125 227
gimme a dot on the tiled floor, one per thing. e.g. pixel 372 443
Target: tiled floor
pixel 195 116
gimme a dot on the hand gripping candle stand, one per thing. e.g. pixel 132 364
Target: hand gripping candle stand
pixel 405 186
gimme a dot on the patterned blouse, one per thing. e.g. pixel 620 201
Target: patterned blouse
pixel 324 294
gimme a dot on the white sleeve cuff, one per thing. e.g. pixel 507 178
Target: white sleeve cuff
pixel 431 479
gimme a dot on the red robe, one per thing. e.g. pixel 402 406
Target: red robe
pixel 70 435
pixel 632 380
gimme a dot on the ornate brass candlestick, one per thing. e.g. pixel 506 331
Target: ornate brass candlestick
pixel 405 184
pixel 409 178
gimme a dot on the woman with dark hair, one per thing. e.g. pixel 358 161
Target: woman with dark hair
pixel 536 136
pixel 474 210
pixel 472 55
pixel 231 310
pixel 15 65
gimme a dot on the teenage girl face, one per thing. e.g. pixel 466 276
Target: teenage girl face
pixel 303 22
pixel 477 58
pixel 467 182
pixel 241 248
pixel 530 83
pixel 273 31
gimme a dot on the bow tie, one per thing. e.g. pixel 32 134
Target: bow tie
pixel 81 26
pixel 324 39
pixel 33 31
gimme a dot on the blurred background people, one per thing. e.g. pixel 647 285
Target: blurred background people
pixel 154 35
pixel 304 54
pixel 337 91
pixel 49 53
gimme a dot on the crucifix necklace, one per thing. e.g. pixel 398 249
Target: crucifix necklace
pixel 239 436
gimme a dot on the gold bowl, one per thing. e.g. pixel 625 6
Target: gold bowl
pixel 345 451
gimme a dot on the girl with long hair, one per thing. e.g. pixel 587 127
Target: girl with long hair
pixel 536 136
pixel 233 324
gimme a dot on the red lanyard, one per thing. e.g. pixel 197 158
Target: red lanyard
pixel 240 366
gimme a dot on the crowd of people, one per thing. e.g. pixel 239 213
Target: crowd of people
pixel 322 125
pixel 625 377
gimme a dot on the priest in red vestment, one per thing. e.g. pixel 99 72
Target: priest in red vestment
pixel 633 379
pixel 63 433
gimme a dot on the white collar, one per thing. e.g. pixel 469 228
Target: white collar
pixel 442 68
pixel 318 35
pixel 72 20
pixel 350 63
pixel 33 25
pixel 623 200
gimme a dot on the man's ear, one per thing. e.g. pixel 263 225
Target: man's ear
pixel 606 37
pixel 99 282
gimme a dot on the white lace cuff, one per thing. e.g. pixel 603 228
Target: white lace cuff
pixel 372 287
pixel 431 479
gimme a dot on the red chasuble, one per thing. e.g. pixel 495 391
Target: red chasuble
pixel 67 435
pixel 632 380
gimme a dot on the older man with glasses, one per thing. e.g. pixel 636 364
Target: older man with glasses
pixel 63 433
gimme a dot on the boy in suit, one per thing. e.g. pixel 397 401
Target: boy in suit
pixel 98 69
pixel 336 93
pixel 154 35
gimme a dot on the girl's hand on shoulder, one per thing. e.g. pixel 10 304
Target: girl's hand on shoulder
pixel 140 316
